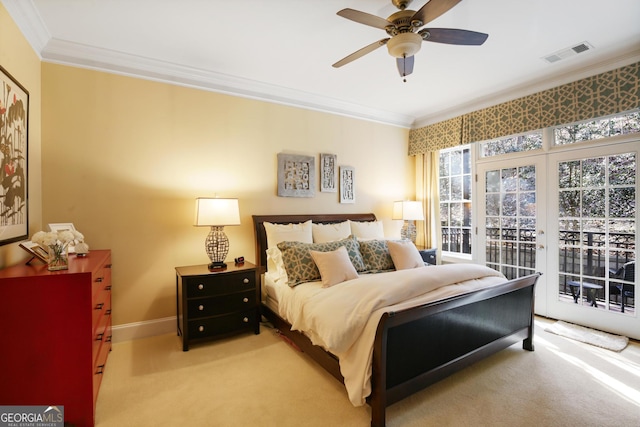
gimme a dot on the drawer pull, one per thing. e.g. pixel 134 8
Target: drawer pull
pixel 245 299
pixel 201 307
pixel 245 320
pixel 201 328
pixel 107 288
pixel 100 370
pixel 99 279
pixel 99 337
pixel 108 266
pixel 201 286
pixel 245 281
pixel 108 339
pixel 108 312
pixel 99 306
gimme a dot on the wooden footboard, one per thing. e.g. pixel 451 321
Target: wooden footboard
pixel 417 347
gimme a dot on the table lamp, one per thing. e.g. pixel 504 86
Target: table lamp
pixel 216 213
pixel 409 211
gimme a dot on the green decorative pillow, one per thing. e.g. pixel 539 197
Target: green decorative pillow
pixel 376 256
pixel 300 266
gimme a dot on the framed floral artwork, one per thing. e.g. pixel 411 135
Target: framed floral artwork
pixel 14 119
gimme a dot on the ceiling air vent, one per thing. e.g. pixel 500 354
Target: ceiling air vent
pixel 568 52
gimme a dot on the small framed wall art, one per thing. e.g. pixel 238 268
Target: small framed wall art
pixel 347 184
pixel 328 173
pixel 296 175
pixel 14 117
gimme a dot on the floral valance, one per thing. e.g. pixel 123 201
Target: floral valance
pixel 596 96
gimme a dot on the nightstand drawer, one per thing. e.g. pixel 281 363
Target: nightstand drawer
pixel 220 325
pixel 429 255
pixel 203 307
pixel 204 286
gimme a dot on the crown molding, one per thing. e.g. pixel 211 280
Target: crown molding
pixel 25 15
pixel 28 20
pixel 74 54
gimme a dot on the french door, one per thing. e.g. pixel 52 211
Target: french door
pixel 593 200
pixel 572 216
pixel 512 225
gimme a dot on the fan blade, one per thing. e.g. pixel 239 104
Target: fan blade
pixel 359 53
pixel 433 9
pixel 454 36
pixel 405 65
pixel 364 18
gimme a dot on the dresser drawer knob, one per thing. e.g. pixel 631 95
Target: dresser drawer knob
pixel 245 320
pixel 99 337
pixel 99 279
pixel 201 307
pixel 245 299
pixel 245 281
pixel 100 370
pixel 99 306
pixel 201 328
pixel 201 286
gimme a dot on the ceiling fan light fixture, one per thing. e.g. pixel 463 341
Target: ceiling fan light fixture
pixel 404 45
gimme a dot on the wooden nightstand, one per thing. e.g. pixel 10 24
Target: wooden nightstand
pixel 428 255
pixel 216 304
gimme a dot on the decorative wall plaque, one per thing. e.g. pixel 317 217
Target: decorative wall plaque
pixel 296 175
pixel 347 184
pixel 328 173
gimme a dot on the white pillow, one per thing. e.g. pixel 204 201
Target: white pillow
pixel 367 230
pixel 275 265
pixel 334 266
pixel 277 233
pixel 323 233
pixel 404 254
pixel 392 228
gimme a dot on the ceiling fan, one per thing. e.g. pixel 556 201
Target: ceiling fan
pixel 405 36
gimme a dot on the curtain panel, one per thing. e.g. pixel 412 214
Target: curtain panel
pixel 604 94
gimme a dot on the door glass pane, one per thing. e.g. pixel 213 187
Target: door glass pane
pixel 597 210
pixel 510 204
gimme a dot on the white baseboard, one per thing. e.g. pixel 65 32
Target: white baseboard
pixel 150 328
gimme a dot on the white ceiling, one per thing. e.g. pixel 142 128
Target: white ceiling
pixel 282 50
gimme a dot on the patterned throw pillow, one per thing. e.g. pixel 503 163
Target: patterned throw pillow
pixel 299 263
pixel 376 256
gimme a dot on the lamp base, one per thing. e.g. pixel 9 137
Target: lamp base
pixel 217 266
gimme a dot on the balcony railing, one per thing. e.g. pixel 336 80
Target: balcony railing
pixel 582 255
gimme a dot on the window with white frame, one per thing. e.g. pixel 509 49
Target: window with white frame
pixel 602 127
pixel 455 199
pixel 512 144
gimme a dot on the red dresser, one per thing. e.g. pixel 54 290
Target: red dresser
pixel 55 334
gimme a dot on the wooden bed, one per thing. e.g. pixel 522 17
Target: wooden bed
pixel 459 330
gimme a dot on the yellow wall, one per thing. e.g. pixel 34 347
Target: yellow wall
pixel 18 59
pixel 123 159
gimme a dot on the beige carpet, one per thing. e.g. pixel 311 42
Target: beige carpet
pixel 259 380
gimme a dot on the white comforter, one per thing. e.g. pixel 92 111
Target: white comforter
pixel 343 318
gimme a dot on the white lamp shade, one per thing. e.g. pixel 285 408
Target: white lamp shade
pixel 216 212
pixel 408 210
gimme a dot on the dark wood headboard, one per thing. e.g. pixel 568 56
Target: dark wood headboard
pixel 261 235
